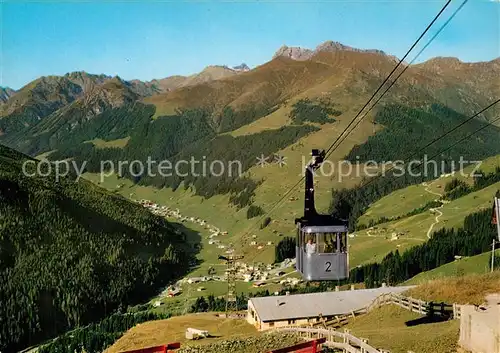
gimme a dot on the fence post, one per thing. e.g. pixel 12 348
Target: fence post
pixel 346 336
pixel 364 340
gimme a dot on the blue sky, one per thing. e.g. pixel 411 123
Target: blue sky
pixel 159 39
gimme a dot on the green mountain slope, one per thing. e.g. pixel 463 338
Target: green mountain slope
pixel 71 253
pixel 406 128
pixel 478 264
pixel 404 201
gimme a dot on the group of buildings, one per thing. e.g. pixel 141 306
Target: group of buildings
pixel 259 274
pixel 166 211
pixel 245 272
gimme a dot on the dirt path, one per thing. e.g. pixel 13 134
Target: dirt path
pixel 436 222
pixel 437 209
pixel 430 191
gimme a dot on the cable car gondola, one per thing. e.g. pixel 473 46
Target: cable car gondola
pixel 321 245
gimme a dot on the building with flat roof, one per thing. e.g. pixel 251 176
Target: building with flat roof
pixel 301 309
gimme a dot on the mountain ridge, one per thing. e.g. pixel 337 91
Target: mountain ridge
pixel 332 68
pixel 301 53
pixel 294 52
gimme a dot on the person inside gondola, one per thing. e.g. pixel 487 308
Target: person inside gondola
pixel 343 242
pixel 310 246
pixel 330 243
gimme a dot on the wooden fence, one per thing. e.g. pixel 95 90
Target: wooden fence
pixel 338 321
pixel 352 344
pixel 334 339
pixel 416 305
pixel 457 311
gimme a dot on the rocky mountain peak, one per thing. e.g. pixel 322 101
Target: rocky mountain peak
pixel 294 53
pixel 331 46
pixel 299 53
pixel 241 67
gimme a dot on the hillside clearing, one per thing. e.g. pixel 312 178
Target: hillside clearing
pixel 118 143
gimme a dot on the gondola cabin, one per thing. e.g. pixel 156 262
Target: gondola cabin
pixel 321 244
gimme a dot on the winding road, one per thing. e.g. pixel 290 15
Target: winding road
pixel 430 191
pixel 436 222
pixel 437 209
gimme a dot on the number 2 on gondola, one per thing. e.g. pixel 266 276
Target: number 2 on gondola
pixel 328 265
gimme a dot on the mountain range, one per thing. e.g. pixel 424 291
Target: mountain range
pixel 299 53
pixel 301 98
pixel 329 59
pixel 102 252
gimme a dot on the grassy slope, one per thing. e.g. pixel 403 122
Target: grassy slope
pixel 371 245
pixel 279 179
pixel 462 290
pixel 159 332
pixel 385 328
pixel 416 196
pixel 479 264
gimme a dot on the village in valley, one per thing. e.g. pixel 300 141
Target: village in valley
pixel 258 274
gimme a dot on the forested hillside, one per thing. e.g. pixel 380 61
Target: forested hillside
pixel 72 253
pixel 186 135
pixel 406 129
